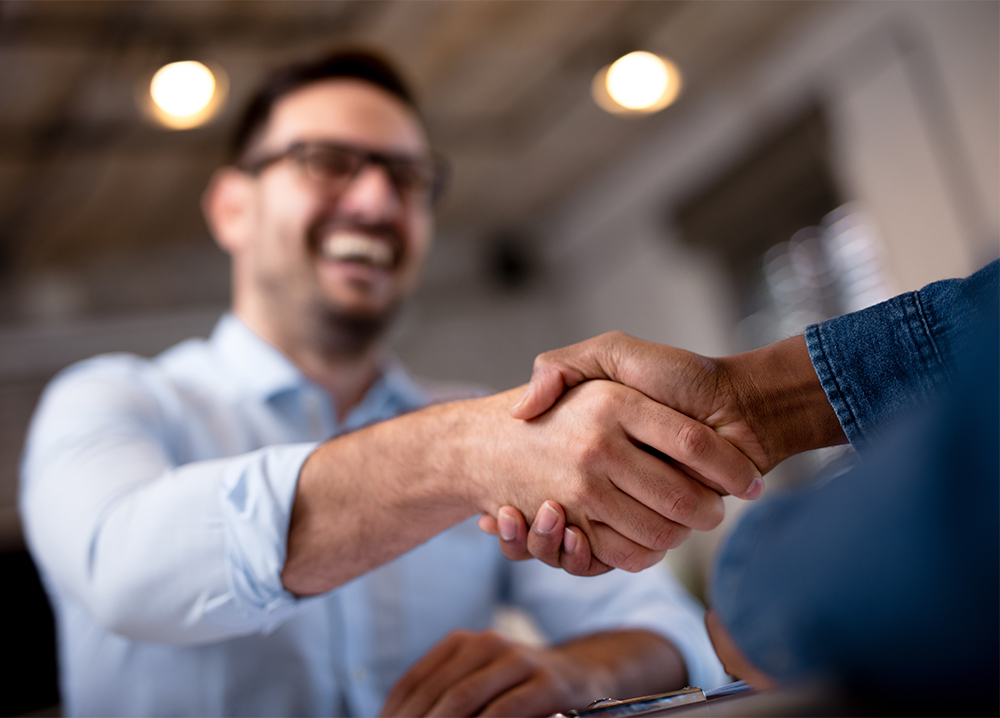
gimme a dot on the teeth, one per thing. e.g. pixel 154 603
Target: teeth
pixel 355 247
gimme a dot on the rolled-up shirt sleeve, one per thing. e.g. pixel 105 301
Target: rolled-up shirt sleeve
pixel 155 547
pixel 878 363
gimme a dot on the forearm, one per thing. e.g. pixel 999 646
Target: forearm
pixel 624 664
pixel 780 395
pixel 367 497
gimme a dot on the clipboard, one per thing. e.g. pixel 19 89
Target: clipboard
pixel 656 704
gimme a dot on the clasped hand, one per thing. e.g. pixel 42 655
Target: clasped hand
pixel 683 406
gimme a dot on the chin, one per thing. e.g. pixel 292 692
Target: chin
pixel 360 311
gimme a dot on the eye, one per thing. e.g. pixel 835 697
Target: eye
pixel 330 162
pixel 410 176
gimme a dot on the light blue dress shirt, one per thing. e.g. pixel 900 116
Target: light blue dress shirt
pixel 156 497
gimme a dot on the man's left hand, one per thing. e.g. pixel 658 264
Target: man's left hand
pixel 484 674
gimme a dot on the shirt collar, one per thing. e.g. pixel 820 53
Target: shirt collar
pixel 255 364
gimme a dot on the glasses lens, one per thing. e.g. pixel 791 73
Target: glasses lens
pixel 328 163
pixel 411 178
pixel 336 165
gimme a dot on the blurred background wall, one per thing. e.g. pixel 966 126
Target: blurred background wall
pixel 821 156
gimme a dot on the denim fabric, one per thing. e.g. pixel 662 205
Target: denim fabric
pixel 886 579
pixel 877 364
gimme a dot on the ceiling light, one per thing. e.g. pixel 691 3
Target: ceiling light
pixel 638 83
pixel 186 94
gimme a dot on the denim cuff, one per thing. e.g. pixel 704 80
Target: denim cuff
pixel 876 364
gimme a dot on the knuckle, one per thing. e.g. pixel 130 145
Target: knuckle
pixel 603 399
pixel 634 562
pixel 666 536
pixel 458 697
pixel 631 559
pixel 591 451
pixel 543 360
pixel 694 440
pixel 682 505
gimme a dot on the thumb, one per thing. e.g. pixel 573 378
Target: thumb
pixel 546 386
pixel 561 369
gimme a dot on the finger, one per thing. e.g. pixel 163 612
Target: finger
pixel 554 543
pixel 686 470
pixel 536 697
pixel 555 371
pixel 513 532
pixel 577 558
pixel 473 652
pixel 642 531
pixel 470 694
pixel 546 386
pixel 617 551
pixel 544 540
pixel 672 494
pixel 416 676
pixel 692 444
pixel 488 524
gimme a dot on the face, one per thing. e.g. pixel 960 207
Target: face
pixel 353 257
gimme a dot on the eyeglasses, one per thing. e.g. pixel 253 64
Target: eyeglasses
pixel 334 166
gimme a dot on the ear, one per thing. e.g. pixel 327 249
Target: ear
pixel 228 206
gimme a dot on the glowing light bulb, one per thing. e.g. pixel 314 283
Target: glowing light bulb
pixel 183 89
pixel 637 80
pixel 638 83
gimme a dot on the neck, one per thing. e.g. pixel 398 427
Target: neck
pixel 329 353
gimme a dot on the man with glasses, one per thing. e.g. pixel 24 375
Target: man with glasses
pixel 211 550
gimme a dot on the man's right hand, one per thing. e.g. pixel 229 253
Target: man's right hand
pixel 768 403
pixel 587 455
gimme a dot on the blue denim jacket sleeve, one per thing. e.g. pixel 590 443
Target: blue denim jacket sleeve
pixel 887 578
pixel 880 362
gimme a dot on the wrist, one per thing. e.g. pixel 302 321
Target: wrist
pixel 467 452
pixel 481 453
pixel 623 664
pixel 780 396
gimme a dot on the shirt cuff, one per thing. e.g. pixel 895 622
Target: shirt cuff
pixel 876 364
pixel 257 495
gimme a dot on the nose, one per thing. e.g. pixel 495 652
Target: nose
pixel 371 196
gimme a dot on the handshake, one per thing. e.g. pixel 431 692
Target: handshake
pixel 625 446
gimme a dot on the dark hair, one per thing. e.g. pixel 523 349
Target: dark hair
pixel 356 64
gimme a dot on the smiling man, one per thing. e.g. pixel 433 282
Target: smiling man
pixel 279 520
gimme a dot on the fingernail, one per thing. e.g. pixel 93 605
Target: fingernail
pixel 507 525
pixel 521 400
pixel 755 490
pixel 546 520
pixel 569 541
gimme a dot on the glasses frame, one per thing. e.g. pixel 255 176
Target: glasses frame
pixel 438 164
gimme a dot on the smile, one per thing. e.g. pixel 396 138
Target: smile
pixel 357 247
